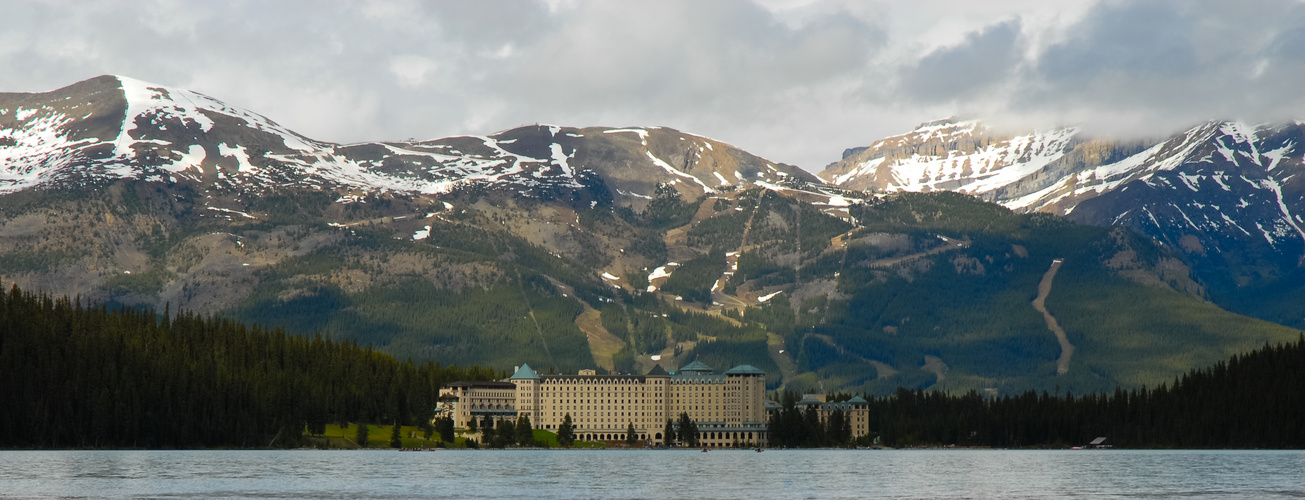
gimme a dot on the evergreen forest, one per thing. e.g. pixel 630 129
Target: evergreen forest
pixel 77 376
pixel 1253 400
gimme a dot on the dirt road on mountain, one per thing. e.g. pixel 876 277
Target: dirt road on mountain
pixel 775 346
pixel 882 369
pixel 1039 303
pixel 948 245
pixel 718 295
pixel 602 344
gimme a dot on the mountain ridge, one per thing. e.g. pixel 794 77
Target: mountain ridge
pixel 1227 195
pixel 170 134
pixel 594 247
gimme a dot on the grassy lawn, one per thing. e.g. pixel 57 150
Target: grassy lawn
pixel 550 439
pixel 378 436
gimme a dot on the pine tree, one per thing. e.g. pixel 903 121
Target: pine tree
pixel 814 432
pixel 505 433
pixel 630 437
pixel 361 436
pixel 525 433
pixel 444 426
pixel 566 432
pixel 845 433
pixel 396 439
pixel 669 432
pixel 688 431
pixel 834 428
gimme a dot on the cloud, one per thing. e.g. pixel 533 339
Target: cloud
pixel 796 81
pixel 411 71
pixel 1139 40
pixel 985 58
pixel 1122 67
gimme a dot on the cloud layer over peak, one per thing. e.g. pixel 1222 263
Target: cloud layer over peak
pixel 796 81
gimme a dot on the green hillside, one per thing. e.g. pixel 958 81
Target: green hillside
pixel 512 315
pixel 915 290
pixel 935 291
pixel 970 307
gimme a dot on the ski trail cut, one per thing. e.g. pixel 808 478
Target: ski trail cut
pixel 1039 303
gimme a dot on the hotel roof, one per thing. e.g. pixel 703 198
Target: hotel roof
pixel 524 373
pixel 696 367
pixel 745 370
pixel 482 384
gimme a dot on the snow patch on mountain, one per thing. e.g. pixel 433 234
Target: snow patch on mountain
pixel 643 134
pixel 560 158
pixel 671 170
pixel 37 150
pixel 1274 187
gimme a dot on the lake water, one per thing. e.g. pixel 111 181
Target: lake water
pixel 652 474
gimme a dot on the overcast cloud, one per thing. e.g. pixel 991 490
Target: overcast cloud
pixel 796 81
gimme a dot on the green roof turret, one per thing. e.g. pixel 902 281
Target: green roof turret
pixel 524 373
pixel 696 368
pixel 745 370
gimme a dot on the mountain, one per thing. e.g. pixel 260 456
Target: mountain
pixel 114 127
pixel 954 155
pixel 570 248
pixel 1226 196
pixel 138 194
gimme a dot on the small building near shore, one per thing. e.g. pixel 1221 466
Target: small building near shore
pixel 856 410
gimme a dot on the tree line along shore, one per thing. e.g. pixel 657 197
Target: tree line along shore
pixel 87 376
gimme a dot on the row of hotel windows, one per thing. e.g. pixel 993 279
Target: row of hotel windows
pixel 588 386
pixel 562 392
pixel 695 410
pixel 601 382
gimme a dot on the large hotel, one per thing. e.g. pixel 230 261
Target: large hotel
pixel 729 408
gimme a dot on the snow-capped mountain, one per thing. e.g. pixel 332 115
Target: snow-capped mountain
pixel 117 127
pixel 950 155
pixel 1227 195
pixel 1021 171
pixel 1226 192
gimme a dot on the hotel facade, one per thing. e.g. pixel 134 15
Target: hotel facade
pixel 728 408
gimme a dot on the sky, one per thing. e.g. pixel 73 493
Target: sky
pixel 794 81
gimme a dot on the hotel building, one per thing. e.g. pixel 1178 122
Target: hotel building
pixel 728 408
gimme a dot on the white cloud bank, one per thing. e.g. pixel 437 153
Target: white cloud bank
pixel 796 81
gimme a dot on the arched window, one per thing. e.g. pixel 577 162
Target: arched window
pixel 659 435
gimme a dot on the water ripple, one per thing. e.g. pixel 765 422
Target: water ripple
pixel 723 474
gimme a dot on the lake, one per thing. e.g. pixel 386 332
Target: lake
pixel 901 474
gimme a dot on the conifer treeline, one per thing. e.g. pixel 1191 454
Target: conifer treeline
pixel 76 376
pixel 1254 400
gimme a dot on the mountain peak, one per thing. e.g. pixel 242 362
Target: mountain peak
pixel 949 154
pixel 114 126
